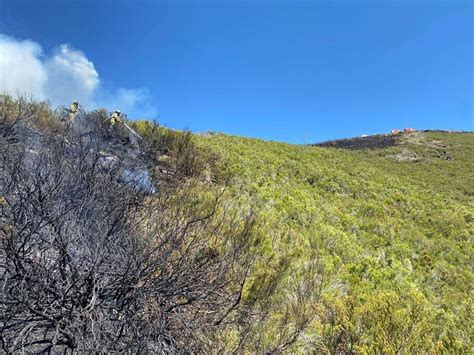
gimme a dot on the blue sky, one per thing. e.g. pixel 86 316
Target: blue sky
pixel 277 70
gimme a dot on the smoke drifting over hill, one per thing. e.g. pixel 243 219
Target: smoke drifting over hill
pixel 64 75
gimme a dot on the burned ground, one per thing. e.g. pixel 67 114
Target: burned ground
pixel 377 141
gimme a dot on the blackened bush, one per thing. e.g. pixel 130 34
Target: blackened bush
pixel 89 264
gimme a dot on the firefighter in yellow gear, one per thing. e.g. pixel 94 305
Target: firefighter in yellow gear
pixel 115 123
pixel 73 111
pixel 121 129
pixel 116 118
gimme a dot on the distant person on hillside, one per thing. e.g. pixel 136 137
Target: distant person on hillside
pixel 121 129
pixel 115 123
pixel 73 111
pixel 115 118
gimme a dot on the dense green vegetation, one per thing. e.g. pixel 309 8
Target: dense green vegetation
pixel 385 235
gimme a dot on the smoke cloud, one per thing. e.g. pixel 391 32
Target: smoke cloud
pixel 63 76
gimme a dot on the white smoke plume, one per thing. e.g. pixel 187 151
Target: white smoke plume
pixel 63 76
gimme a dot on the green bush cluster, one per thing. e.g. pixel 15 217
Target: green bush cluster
pixel 394 239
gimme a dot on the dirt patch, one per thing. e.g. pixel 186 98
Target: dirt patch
pixel 406 155
pixel 418 146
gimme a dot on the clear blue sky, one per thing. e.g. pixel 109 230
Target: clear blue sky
pixel 274 69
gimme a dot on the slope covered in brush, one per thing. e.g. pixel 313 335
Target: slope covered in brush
pixel 179 243
pixel 384 235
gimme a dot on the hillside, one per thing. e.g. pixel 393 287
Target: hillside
pixel 390 230
pixel 185 243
